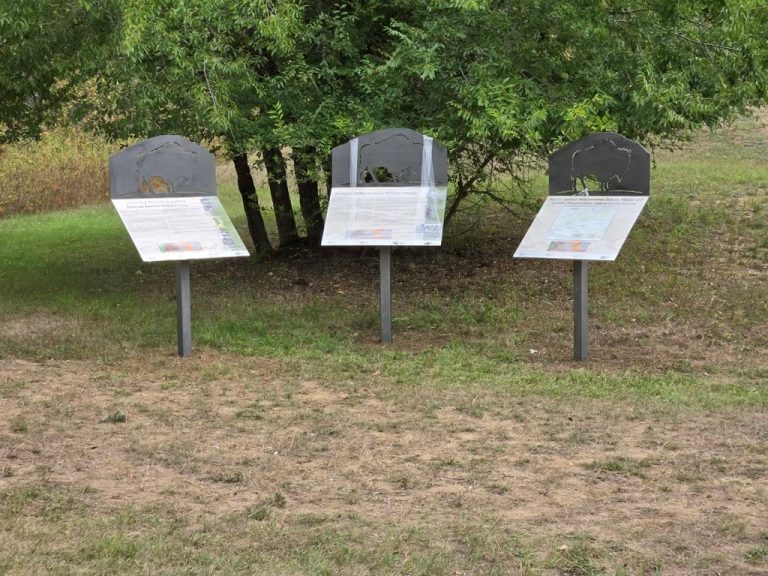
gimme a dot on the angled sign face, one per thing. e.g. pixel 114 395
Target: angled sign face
pixel 389 188
pixel 597 188
pixel 385 216
pixel 181 228
pixel 164 190
pixel 581 227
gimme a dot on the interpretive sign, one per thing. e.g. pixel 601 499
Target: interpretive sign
pixel 388 189
pixel 380 216
pixel 581 227
pixel 164 190
pixel 598 186
pixel 190 228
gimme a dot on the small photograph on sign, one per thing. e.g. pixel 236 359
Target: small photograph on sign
pixel 430 230
pixel 568 246
pixel 374 234
pixel 180 247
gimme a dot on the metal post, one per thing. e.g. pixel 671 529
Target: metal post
pixel 385 269
pixel 183 308
pixel 580 311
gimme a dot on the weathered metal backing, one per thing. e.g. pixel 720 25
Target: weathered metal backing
pixel 397 150
pixel 620 166
pixel 162 167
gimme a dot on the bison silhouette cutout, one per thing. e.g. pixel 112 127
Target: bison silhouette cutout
pixel 389 157
pixel 601 164
pixel 162 166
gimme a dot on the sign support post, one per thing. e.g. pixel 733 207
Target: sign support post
pixel 389 188
pixel 580 310
pixel 183 308
pixel 164 190
pixel 385 269
pixel 598 186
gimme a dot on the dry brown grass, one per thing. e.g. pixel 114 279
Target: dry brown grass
pixel 589 487
pixel 66 168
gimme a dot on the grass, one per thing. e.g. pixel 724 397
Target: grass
pixel 65 168
pixel 135 539
pixel 620 465
pixel 292 442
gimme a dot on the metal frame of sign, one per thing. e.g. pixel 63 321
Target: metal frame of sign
pixel 396 160
pixel 609 177
pixel 161 180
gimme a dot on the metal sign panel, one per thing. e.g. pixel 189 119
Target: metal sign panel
pixel 602 164
pixel 187 228
pixel 162 166
pixel 389 189
pixel 581 227
pixel 164 190
pixel 391 157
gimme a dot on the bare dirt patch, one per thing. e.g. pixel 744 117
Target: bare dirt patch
pixel 216 435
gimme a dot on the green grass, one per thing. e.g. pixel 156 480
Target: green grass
pixel 75 279
pixel 620 465
pixel 250 542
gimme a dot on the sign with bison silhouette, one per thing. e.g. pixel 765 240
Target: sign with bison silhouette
pixel 164 190
pixel 598 186
pixel 388 189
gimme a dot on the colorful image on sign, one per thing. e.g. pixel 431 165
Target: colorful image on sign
pixel 180 247
pixel 375 234
pixel 568 246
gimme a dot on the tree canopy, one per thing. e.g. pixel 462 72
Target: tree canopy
pixel 47 49
pixel 501 83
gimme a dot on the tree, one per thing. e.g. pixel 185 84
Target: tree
pixel 252 75
pixel 504 83
pixel 44 59
pixel 199 68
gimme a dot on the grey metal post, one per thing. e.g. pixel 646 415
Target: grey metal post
pixel 385 268
pixel 580 311
pixel 183 308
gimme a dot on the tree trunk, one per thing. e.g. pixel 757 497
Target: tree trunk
pixel 309 194
pixel 461 193
pixel 281 198
pixel 251 205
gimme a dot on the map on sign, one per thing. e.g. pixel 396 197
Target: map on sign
pixel 581 227
pixel 582 223
pixel 385 216
pixel 179 228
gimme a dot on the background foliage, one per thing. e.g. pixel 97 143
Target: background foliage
pixel 502 84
